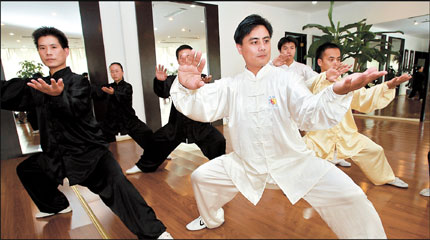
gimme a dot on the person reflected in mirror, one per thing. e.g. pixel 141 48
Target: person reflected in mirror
pixel 343 140
pixel 179 129
pixel 120 115
pixel 266 105
pixel 418 83
pixel 72 143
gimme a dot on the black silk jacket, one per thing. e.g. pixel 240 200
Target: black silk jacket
pixel 120 113
pixel 180 126
pixel 70 137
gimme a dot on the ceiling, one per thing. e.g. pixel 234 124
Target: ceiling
pixel 303 6
pixel 178 22
pixel 21 18
pixel 421 29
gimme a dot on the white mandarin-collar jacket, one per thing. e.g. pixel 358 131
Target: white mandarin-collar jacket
pixel 302 70
pixel 264 112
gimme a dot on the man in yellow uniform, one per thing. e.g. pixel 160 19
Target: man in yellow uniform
pixel 344 138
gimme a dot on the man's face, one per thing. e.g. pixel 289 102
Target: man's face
pixel 330 57
pixel 51 53
pixel 255 48
pixel 116 72
pixel 289 49
pixel 183 52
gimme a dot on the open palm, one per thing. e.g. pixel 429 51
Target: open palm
pixel 357 80
pixel 189 73
pixel 161 73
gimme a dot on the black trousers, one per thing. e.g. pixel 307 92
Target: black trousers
pixel 137 130
pixel 212 145
pixel 108 181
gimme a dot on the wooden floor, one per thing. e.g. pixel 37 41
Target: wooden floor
pixel 404 213
pixel 403 107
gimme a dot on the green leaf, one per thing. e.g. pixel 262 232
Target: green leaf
pixel 320 27
pixel 330 12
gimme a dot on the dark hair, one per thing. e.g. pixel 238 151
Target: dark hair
pixel 50 31
pixel 117 63
pixel 248 24
pixel 323 47
pixel 284 40
pixel 182 47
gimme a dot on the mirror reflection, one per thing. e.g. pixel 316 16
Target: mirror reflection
pixel 415 40
pixel 176 24
pixel 18 21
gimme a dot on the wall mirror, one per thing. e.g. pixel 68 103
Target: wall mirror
pixel 415 39
pixel 18 21
pixel 176 24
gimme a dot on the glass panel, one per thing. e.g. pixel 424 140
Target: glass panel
pixel 18 21
pixel 176 24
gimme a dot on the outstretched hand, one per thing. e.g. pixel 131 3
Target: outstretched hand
pixel 161 72
pixel 55 89
pixel 357 80
pixel 108 90
pixel 280 60
pixel 189 72
pixel 398 80
pixel 334 72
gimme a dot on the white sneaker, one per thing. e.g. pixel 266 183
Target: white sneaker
pixel 344 163
pixel 169 157
pixel 398 183
pixel 44 214
pixel 165 235
pixel 196 224
pixel 425 192
pixel 134 169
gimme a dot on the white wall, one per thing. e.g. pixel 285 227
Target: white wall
pixel 374 12
pixel 121 45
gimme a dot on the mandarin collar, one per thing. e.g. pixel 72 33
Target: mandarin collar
pixel 260 74
pixel 120 82
pixel 61 73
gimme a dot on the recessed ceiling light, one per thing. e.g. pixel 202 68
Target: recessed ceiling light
pixel 168 36
pixel 183 29
pixel 170 19
pixel 202 21
pixel 18 40
pixel 192 5
pixel 54 14
pixel 155 29
pixel 415 23
pixel 11 34
pixel 314 2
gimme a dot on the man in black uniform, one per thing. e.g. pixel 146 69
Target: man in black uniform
pixel 72 142
pixel 120 116
pixel 179 128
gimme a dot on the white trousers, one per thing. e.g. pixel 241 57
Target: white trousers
pixel 339 201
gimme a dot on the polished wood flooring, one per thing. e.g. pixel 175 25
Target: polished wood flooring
pixel 404 213
pixel 403 107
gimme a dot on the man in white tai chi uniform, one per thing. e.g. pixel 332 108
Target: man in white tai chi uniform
pixel 265 105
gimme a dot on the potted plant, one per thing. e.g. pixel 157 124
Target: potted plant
pixel 29 68
pixel 359 43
